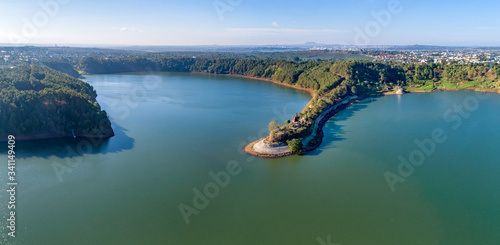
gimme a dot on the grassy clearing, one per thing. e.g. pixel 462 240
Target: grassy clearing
pixel 428 86
pixel 481 84
pixel 468 84
pixel 448 84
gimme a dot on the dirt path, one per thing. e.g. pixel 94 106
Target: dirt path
pixel 322 116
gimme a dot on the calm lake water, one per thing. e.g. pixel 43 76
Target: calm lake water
pixel 173 130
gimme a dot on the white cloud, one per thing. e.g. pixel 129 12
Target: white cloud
pixel 275 23
pixel 131 29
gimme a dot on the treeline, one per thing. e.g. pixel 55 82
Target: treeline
pixel 62 66
pixel 36 101
pixel 314 75
pixel 385 76
pixel 370 76
pixel 318 75
pixel 456 73
pixel 312 55
pixel 332 81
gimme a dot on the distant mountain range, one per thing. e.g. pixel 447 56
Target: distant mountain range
pixel 263 48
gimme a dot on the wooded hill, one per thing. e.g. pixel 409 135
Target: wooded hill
pixel 317 75
pixel 39 102
pixel 332 81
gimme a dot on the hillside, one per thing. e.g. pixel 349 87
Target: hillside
pixel 38 102
pixel 61 66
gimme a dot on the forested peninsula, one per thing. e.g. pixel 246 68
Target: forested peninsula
pixel 334 84
pixel 37 102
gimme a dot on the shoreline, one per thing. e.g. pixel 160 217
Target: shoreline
pixel 51 137
pixel 250 151
pixel 315 139
pixel 486 90
pixel 317 134
pixel 310 91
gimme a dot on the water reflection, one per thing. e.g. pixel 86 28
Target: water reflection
pixel 68 147
pixel 333 130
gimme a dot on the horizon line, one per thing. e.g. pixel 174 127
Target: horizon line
pixel 83 45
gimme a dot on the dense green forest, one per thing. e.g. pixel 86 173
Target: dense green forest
pixel 313 55
pixel 359 77
pixel 332 81
pixel 62 66
pixel 368 76
pixel 39 102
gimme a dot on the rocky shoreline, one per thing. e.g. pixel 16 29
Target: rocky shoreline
pixel 47 136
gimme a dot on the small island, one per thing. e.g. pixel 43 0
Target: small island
pixel 38 102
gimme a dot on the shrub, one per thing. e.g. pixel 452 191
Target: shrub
pixel 295 146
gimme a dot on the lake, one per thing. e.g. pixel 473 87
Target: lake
pixel 175 132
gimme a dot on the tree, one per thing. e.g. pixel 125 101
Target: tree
pixel 295 146
pixel 273 125
pixel 48 102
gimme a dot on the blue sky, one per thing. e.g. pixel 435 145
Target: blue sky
pixel 257 22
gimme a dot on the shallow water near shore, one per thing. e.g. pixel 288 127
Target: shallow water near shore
pixel 174 129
